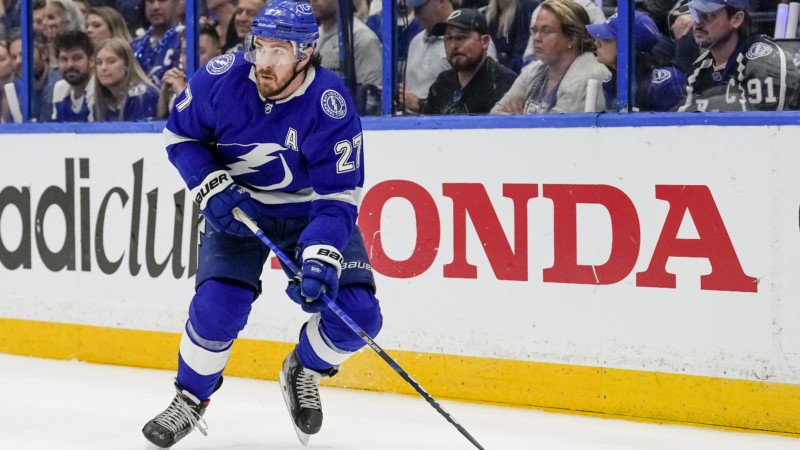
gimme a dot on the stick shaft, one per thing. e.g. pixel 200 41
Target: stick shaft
pixel 242 217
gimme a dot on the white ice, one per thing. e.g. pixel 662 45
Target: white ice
pixel 65 405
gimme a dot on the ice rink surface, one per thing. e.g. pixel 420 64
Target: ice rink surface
pixel 65 405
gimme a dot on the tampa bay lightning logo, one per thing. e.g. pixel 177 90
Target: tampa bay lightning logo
pixel 660 76
pixel 333 104
pixel 303 8
pixel 252 161
pixel 220 64
pixel 758 50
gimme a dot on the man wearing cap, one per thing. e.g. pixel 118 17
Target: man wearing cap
pixel 476 82
pixel 737 71
pixel 657 85
pixel 426 54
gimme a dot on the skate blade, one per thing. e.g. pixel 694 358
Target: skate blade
pixel 303 437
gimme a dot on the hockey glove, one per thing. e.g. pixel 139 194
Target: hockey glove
pixel 309 305
pixel 322 265
pixel 217 195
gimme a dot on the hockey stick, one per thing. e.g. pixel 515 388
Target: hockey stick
pixel 242 217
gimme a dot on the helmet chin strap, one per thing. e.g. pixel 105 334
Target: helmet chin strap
pixel 294 75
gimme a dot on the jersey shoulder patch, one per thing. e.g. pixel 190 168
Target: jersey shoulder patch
pixel 660 76
pixel 333 104
pixel 758 50
pixel 220 64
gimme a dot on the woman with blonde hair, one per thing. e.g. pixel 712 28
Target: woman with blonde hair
pixel 557 82
pixel 103 22
pixel 509 26
pixel 122 90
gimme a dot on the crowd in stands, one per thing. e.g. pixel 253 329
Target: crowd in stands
pixel 125 60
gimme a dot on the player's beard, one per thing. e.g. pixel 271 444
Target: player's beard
pixel 277 85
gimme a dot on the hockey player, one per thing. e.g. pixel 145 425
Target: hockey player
pixel 738 71
pixel 272 133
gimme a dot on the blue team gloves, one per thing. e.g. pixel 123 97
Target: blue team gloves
pixel 322 265
pixel 217 195
pixel 309 305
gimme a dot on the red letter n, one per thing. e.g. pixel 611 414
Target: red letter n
pixel 506 263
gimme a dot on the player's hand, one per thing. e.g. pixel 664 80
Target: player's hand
pixel 217 195
pixel 309 305
pixel 322 265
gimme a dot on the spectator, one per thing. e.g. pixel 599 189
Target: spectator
pixel 10 16
pixel 38 15
pixel 509 26
pixel 6 77
pixel 72 101
pixel 476 82
pixel 158 50
pixel 208 45
pixel 366 53
pixel 738 70
pixel 220 16
pixel 132 11
pixel 6 65
pixel 60 16
pixel 426 55
pixel 174 80
pixel 122 91
pixel 556 83
pixel 407 27
pixel 44 78
pixel 104 22
pixel 658 86
pixel 595 16
pixel 246 11
pixel 83 6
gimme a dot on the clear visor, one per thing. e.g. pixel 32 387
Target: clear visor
pixel 269 52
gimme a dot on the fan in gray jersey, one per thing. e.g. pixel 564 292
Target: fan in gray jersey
pixel 738 71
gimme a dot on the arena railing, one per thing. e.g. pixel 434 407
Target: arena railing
pixel 622 118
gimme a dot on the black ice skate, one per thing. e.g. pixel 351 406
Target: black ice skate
pixel 184 414
pixel 300 387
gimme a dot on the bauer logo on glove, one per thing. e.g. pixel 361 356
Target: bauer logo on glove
pixel 216 179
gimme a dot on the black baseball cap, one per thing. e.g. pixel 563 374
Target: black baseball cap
pixel 466 19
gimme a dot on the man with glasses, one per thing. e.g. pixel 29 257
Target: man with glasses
pixel 738 70
pixel 270 132
pixel 476 81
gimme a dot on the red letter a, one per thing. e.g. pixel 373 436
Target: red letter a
pixel 714 243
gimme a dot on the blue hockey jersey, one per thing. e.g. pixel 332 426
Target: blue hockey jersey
pixel 67 108
pixel 140 105
pixel 298 157
pixel 156 59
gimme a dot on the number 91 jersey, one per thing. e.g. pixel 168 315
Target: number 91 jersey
pixel 759 76
pixel 300 156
